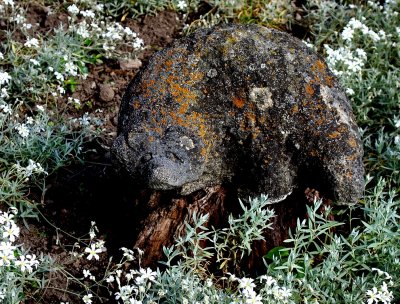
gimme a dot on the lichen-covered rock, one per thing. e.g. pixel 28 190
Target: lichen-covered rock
pixel 238 104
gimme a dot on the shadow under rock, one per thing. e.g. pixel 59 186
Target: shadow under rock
pixel 93 191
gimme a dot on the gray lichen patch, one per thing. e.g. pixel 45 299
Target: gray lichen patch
pixel 246 105
pixel 186 142
pixel 262 98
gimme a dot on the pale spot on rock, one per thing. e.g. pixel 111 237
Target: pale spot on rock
pixel 186 142
pixel 262 97
pixel 212 73
pixel 329 100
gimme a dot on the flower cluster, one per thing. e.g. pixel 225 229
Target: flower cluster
pixel 4 81
pixel 32 168
pixel 270 291
pixel 135 286
pixel 352 61
pixel 356 25
pixel 381 294
pixel 10 254
pixel 111 36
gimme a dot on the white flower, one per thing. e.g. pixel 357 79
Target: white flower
pixel 99 7
pixel 350 91
pixel 34 61
pixel 6 108
pixel 124 293
pixel 6 253
pixel 71 69
pixel 22 130
pixel 110 279
pixel 129 32
pixel 29 120
pixel 253 298
pixel 128 253
pixel 4 78
pixel 61 90
pixel 22 263
pixel 2 294
pixel 27 26
pixel 86 273
pixel 281 293
pixel 1 56
pixel 85 119
pixel 73 9
pixel 269 280
pixel 82 30
pixel 4 94
pixel 372 295
pixel 88 13
pixel 87 299
pixel 374 36
pixel 34 167
pixel 347 33
pixel 145 274
pixel 181 5
pixel 9 2
pixel 40 108
pixel 93 252
pixel 361 53
pixel 31 262
pixel 33 42
pixel 6 218
pixel 11 231
pixel 246 284
pixel 18 19
pixel 138 43
pixel 59 76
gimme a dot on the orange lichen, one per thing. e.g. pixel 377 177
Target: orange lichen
pixel 251 117
pixel 352 157
pixel 136 105
pixel 329 81
pixel 334 135
pixel 169 63
pixel 320 65
pixel 295 109
pixel 309 89
pixel 352 143
pixel 238 102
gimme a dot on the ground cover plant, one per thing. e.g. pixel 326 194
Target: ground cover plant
pixel 56 58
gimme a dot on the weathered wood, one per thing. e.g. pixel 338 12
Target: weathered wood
pixel 166 216
pixel 166 221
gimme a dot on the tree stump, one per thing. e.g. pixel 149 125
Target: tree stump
pixel 164 216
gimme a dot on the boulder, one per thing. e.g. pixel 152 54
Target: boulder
pixel 243 105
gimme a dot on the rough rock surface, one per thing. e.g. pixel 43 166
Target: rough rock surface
pixel 238 104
